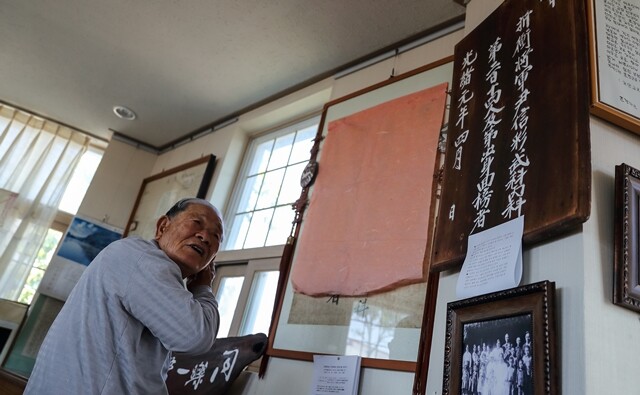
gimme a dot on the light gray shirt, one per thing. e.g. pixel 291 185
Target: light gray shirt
pixel 116 330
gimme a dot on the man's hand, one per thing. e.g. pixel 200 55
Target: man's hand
pixel 204 277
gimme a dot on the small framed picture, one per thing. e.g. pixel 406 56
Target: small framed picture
pixel 626 282
pixel 502 343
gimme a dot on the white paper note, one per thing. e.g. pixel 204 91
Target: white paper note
pixel 493 261
pixel 335 374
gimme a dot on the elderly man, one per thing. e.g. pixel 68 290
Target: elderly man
pixel 130 309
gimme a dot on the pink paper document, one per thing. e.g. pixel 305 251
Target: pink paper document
pixel 367 224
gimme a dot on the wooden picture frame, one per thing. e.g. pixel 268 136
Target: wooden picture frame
pixel 524 317
pixel 302 341
pixel 159 192
pixel 626 281
pixel 614 97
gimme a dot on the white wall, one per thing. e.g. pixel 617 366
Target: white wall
pixel 597 341
pixel 116 184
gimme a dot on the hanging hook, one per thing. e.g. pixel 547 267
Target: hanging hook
pixel 393 69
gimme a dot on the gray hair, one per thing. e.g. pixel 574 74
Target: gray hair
pixel 182 205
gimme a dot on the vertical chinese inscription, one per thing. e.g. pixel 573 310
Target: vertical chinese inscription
pixel 515 186
pixel 526 111
pixel 463 104
pixel 492 119
pixel 466 95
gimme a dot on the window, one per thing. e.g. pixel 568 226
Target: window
pixel 71 199
pixel 269 183
pixel 39 157
pixel 246 293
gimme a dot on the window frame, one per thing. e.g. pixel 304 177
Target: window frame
pixel 247 159
pixel 245 263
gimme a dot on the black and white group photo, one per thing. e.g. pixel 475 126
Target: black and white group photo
pixel 497 357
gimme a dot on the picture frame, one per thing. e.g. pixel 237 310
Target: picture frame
pixel 22 355
pixel 626 284
pixel 476 357
pixel 12 315
pixel 614 97
pixel 159 192
pixel 302 340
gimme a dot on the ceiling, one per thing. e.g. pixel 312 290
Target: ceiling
pixel 185 65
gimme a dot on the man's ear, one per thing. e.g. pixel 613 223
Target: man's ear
pixel 161 225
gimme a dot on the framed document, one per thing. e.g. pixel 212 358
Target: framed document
pixel 159 192
pixel 614 41
pixel 388 325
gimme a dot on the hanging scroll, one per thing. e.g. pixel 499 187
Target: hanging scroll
pixel 391 328
pixel 518 141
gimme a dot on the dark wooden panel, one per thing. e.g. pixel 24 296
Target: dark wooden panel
pixel 533 90
pixel 11 384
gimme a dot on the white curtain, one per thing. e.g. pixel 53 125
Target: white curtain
pixel 37 158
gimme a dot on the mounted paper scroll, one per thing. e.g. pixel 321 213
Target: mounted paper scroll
pixel 367 225
pixel 518 141
pixel 389 329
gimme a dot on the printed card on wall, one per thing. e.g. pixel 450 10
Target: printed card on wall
pixel 518 140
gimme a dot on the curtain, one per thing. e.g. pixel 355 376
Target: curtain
pixel 37 158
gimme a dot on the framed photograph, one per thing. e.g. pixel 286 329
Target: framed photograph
pixel 613 42
pixel 626 286
pixel 388 325
pixel 159 192
pixel 502 343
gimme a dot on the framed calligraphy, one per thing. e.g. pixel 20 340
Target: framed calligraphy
pixel 614 42
pixel 626 270
pixel 502 343
pixel 160 191
pixel 390 328
pixel 518 140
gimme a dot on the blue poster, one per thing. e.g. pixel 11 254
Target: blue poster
pixel 85 239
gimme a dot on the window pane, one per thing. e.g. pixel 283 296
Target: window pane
pixel 281 151
pixel 47 249
pixel 258 229
pixel 270 189
pixel 228 294
pixel 291 188
pixel 261 158
pixel 280 226
pixel 274 166
pixel 39 266
pixel 80 180
pixel 302 147
pixel 250 193
pixel 257 315
pixel 238 231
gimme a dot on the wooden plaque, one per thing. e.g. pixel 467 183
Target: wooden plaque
pixel 518 140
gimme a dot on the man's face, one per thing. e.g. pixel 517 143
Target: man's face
pixel 191 238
